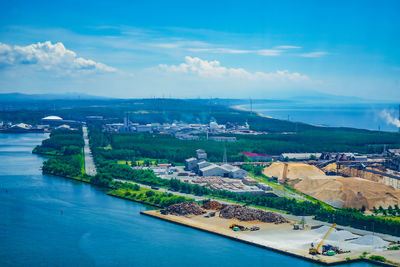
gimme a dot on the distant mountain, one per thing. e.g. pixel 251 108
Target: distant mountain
pixel 19 97
pixel 317 97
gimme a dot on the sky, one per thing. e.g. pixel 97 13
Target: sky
pixel 189 49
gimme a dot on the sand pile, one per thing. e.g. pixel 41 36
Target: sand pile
pixel 335 235
pixel 370 240
pixel 337 191
pixel 323 230
pixel 248 214
pixel 296 171
pixel 341 236
pixel 185 208
pixel 332 167
pixel 368 193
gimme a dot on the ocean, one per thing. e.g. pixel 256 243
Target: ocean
pixel 362 116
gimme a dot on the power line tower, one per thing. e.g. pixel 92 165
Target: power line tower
pixel 225 157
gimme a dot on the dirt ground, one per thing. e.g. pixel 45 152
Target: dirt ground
pixel 338 191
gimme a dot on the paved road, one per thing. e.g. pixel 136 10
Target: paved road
pixel 90 167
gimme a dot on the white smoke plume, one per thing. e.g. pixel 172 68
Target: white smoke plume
pixel 387 116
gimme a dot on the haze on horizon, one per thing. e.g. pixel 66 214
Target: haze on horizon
pixel 229 49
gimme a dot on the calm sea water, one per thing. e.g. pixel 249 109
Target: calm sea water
pixel 363 116
pixel 95 229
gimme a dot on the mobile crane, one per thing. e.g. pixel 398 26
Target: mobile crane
pixel 315 251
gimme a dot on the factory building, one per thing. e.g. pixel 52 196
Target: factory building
pixel 213 170
pixel 201 154
pixel 299 156
pixel 144 129
pixel 202 164
pixel 114 127
pixel 234 172
pixel 52 120
pixel 229 139
pixel 19 128
pixel 259 156
pixel 202 167
pixel 225 170
pixel 190 164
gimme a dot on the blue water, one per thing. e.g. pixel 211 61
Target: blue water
pixel 362 116
pixel 95 229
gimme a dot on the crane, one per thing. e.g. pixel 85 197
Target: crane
pixel 315 251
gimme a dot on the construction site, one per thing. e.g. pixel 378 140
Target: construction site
pixel 310 240
pixel 351 191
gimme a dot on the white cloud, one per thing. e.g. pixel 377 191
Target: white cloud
pixel 213 69
pixel 314 54
pixel 288 47
pixel 219 50
pixel 179 44
pixel 269 52
pixel 48 56
pixel 262 52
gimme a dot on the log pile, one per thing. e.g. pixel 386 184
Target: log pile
pixel 248 214
pixel 212 205
pixel 185 208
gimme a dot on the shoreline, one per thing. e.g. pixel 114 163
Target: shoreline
pixel 167 218
pixel 315 259
pixel 239 108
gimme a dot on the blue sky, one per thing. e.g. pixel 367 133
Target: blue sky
pixel 262 49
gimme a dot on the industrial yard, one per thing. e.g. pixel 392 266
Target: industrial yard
pixel 337 191
pixel 333 244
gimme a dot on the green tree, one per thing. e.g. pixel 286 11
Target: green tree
pixel 363 208
pixel 101 179
pixel 150 193
pixel 375 210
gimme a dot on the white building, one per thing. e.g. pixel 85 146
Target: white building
pixel 213 170
pixel 235 172
pixel 144 129
pixel 299 156
pixel 64 127
pixel 225 170
pixel 202 164
pixel 229 139
pixel 190 164
pixel 114 127
pixel 201 154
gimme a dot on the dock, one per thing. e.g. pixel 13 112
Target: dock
pixel 264 238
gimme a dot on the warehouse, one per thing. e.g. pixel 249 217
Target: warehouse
pixel 190 164
pixel 300 156
pixel 213 170
pixel 234 172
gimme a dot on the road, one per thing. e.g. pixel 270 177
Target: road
pixel 90 167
